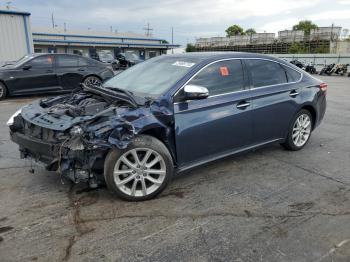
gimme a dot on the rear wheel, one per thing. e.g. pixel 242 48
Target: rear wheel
pixel 300 131
pixel 141 171
pixel 3 91
pixel 92 81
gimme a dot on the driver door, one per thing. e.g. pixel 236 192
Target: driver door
pixel 206 129
pixel 34 76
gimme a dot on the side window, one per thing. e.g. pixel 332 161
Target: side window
pixel 292 75
pixel 44 61
pixel 266 73
pixel 221 77
pixel 83 62
pixel 67 61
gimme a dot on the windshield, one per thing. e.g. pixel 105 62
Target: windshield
pixel 106 56
pixel 20 61
pixel 131 56
pixel 153 77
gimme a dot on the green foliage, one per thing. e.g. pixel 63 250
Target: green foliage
pixel 250 31
pixel 234 30
pixel 306 26
pixel 165 42
pixel 297 48
pixel 321 50
pixel 190 48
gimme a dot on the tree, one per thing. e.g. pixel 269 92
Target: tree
pixel 297 48
pixel 165 42
pixel 306 26
pixel 190 48
pixel 250 31
pixel 234 30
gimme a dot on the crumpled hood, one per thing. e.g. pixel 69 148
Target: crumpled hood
pixel 100 119
pixel 37 115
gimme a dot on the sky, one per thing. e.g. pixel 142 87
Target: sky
pixel 190 19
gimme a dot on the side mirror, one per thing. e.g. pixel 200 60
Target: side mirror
pixel 192 92
pixel 26 67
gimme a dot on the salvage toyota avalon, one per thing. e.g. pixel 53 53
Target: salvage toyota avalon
pixel 167 115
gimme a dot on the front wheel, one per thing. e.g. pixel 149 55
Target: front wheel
pixel 3 91
pixel 141 171
pixel 92 81
pixel 300 131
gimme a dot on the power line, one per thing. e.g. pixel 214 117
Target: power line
pixel 148 30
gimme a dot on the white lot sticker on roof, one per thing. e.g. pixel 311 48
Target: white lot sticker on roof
pixel 184 64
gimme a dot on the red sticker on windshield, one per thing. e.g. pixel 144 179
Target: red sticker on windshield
pixel 224 71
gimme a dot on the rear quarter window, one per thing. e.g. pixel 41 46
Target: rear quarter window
pixel 292 75
pixel 266 73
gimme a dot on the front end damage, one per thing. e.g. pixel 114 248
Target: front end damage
pixel 72 134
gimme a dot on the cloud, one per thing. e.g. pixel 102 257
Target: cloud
pixel 201 12
pixel 331 15
pixel 190 18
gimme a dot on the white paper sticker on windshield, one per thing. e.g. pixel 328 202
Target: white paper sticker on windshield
pixel 184 64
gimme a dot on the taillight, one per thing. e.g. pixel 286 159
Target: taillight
pixel 324 87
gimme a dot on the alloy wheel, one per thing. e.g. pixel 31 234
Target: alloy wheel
pixel 301 130
pixel 1 91
pixel 92 81
pixel 139 172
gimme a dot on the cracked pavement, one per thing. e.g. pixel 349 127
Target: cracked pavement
pixel 266 205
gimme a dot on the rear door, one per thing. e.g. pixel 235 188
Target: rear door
pixel 274 96
pixel 212 127
pixel 70 70
pixel 35 76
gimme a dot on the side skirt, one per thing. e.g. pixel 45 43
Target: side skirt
pixel 226 154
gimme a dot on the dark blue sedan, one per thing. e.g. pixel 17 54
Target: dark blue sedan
pixel 170 114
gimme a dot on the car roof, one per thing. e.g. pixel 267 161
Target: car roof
pixel 55 54
pixel 205 56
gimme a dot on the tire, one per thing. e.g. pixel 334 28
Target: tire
pixel 3 91
pixel 92 81
pixel 138 175
pixel 292 142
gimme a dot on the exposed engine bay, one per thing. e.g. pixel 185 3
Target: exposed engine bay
pixel 72 133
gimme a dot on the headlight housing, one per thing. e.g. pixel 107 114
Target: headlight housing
pixel 76 131
pixel 11 119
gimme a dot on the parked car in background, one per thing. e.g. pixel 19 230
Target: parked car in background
pixel 50 73
pixel 125 60
pixel 297 63
pixel 167 115
pixel 310 68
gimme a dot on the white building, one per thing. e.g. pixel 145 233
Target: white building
pixel 15 35
pixel 88 43
pixel 17 39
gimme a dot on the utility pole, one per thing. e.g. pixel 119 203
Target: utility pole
pixel 172 39
pixel 53 21
pixel 148 30
pixel 65 27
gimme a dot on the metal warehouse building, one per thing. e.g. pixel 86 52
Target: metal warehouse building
pixel 17 39
pixel 88 43
pixel 15 35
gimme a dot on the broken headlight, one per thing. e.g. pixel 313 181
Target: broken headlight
pixel 76 131
pixel 11 119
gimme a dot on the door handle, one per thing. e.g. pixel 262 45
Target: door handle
pixel 81 69
pixel 49 71
pixel 243 105
pixel 293 93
